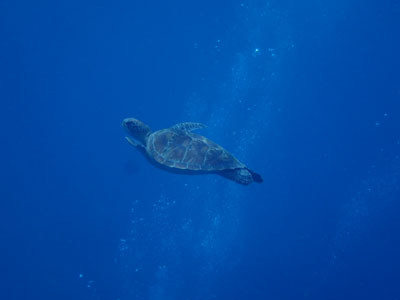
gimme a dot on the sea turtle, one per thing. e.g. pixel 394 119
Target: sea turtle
pixel 178 149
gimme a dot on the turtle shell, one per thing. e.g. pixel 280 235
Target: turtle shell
pixel 186 150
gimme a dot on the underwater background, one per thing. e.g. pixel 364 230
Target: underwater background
pixel 306 93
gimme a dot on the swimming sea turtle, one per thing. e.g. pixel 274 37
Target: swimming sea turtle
pixel 179 149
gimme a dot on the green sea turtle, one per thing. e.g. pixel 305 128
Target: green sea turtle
pixel 178 149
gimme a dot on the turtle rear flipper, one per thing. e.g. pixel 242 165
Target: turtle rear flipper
pixel 256 177
pixel 241 175
pixel 189 126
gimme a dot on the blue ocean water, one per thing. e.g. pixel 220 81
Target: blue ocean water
pixel 306 93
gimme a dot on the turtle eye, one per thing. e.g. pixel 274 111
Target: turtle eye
pixel 132 126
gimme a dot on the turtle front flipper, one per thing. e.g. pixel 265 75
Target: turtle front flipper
pixel 189 126
pixel 137 145
pixel 133 142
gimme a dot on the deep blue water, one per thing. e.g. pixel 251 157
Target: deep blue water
pixel 306 93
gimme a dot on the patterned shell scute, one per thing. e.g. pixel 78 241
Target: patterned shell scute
pixel 189 151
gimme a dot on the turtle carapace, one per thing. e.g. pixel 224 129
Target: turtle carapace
pixel 179 149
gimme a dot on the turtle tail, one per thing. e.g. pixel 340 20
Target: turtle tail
pixel 256 177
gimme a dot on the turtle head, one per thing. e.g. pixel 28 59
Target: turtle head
pixel 137 129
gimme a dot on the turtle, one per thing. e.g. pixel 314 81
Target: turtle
pixel 180 150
